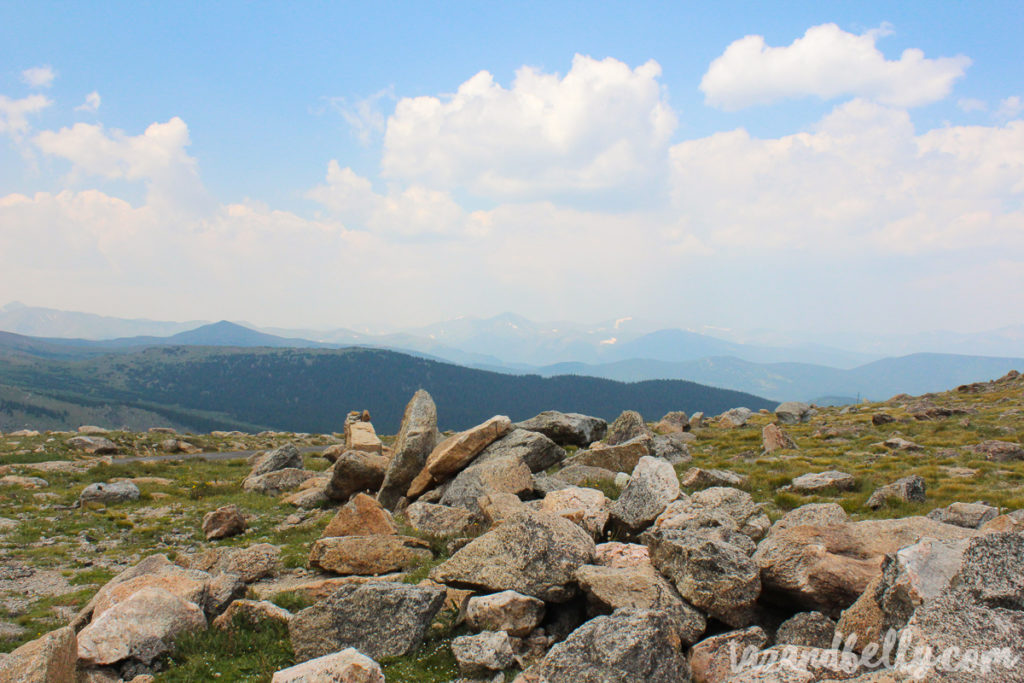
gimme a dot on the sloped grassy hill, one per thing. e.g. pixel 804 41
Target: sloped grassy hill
pixel 310 390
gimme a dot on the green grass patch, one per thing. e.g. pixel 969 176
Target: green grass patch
pixel 247 653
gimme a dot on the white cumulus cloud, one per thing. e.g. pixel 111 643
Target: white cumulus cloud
pixel 1010 108
pixel 91 103
pixel 14 113
pixel 826 62
pixel 602 126
pixel 39 76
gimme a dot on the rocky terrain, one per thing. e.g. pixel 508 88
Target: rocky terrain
pixel 796 545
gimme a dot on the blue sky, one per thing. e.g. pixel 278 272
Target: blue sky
pixel 731 164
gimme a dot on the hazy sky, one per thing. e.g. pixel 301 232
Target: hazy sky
pixel 842 166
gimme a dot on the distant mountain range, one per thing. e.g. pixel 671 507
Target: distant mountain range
pixel 44 384
pixel 624 350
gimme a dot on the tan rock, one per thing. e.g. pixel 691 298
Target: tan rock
pixel 454 453
pixel 441 520
pixel 347 666
pixel 23 482
pixel 621 457
pixel 51 658
pixel 508 611
pixel 774 439
pixel 497 507
pixel 143 627
pixel 696 477
pixel 362 515
pixel 362 437
pixel 616 554
pixel 314 588
pixel 251 563
pixel 188 584
pixel 710 660
pixel 368 554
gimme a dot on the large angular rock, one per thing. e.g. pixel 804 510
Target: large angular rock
pixel 531 553
pixel 567 429
pixel 347 666
pixel 108 493
pixel 361 436
pixel 673 447
pixel 1000 451
pixel 826 568
pixel 277 482
pixel 455 452
pixel 356 471
pixel 584 506
pixel 714 576
pixel 774 439
pixel 537 451
pixel 812 514
pixel 621 457
pixel 282 457
pixel 966 515
pixel 251 612
pixel 628 646
pixel 249 564
pixel 97 445
pixel 223 522
pixel 441 520
pixel 483 653
pixel 793 412
pixel 141 628
pixel 815 482
pixel 906 490
pixel 368 555
pixel 584 475
pixel 361 516
pixel 738 505
pixel 651 488
pixel 352 617
pixel 809 629
pixel 628 425
pixel 507 474
pixel 673 422
pixel 188 584
pixel 49 658
pixel 508 611
pixel 641 587
pixel 736 417
pixel 698 478
pixel 417 437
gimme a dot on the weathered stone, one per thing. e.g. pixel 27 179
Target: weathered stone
pixel 310 498
pixel 142 628
pixel 652 486
pixel 282 457
pixel 277 482
pixel 508 611
pixel 621 457
pixel 361 516
pixel 628 646
pixel 250 564
pixel 1013 521
pixel 774 439
pixel 537 451
pixel 356 471
pixel 93 444
pixel 50 658
pixel 800 664
pixel 966 515
pixel 23 482
pixel 114 492
pixel 361 436
pixel 714 576
pixel 352 617
pixel 793 412
pixel 736 417
pixel 223 522
pixel 826 568
pixel 898 443
pixel 627 426
pixel 251 612
pixel 417 437
pixel 695 477
pixel 531 553
pixel 815 482
pixel 711 659
pixel 454 453
pixel 697 420
pixel 609 588
pixel 495 508
pixel 906 490
pixel 222 590
pixel 810 629
pixel 347 666
pixel 501 475
pixel 1000 451
pixel 879 419
pixel 738 505
pixel 812 514
pixel 366 555
pixel 441 520
pixel 710 524
pixel 188 584
pixel 567 429
pixel 484 653
pixel 583 506
pixel 672 447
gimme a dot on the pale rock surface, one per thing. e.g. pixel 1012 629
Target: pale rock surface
pixel 508 611
pixel 347 666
